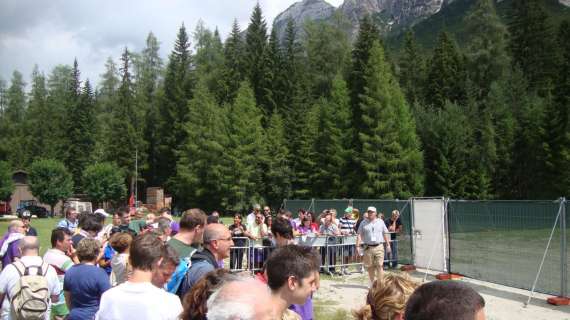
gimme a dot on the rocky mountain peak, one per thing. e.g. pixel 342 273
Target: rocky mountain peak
pixel 300 12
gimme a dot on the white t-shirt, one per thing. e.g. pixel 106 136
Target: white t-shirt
pixel 10 276
pixel 138 301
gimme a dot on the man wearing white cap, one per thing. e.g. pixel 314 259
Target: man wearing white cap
pixel 373 234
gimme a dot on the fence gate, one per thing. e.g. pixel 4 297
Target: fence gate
pixel 429 233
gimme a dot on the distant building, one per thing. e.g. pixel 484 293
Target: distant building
pixel 22 194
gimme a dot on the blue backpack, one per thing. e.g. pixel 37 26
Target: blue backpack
pixel 178 276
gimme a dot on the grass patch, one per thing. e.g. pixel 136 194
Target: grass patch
pixel 44 227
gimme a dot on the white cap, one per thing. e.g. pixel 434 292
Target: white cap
pixel 102 211
pixel 373 209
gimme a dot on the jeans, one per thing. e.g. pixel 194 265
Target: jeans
pixel 391 259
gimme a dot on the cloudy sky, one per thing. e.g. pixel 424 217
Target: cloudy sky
pixel 52 32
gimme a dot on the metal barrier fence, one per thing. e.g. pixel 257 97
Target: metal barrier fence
pixel 382 206
pixel 338 253
pixel 522 244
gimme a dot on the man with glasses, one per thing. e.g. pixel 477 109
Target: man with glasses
pixel 373 234
pixel 217 244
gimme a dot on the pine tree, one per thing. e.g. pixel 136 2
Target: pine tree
pixel 367 35
pixel 202 165
pixel 276 165
pixel 557 128
pixel 532 44
pixel 255 47
pixel 12 120
pixel 243 179
pixel 37 116
pixel 446 74
pixel 54 131
pixel 487 55
pixel 328 54
pixel 233 73
pixel 302 148
pixel 332 143
pixel 412 70
pixel 81 135
pixel 391 158
pixel 173 111
pixel 124 141
pixel 209 58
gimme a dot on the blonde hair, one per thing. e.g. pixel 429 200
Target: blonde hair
pixel 387 298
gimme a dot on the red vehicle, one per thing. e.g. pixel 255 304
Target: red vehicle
pixel 5 208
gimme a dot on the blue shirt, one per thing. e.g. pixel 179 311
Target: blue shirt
pixel 107 256
pixel 86 283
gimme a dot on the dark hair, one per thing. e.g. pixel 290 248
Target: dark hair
pixel 194 302
pixel 146 250
pixel 88 249
pixel 282 227
pixel 163 210
pixel 237 215
pixel 192 218
pixel 444 300
pixel 90 222
pixel 169 256
pixel 212 219
pixel 122 211
pixel 163 224
pixel 68 210
pixel 58 235
pixel 290 260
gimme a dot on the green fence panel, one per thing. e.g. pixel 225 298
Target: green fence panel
pixel 295 205
pixel 504 242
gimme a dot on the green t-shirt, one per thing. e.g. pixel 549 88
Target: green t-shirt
pixel 183 249
pixel 137 225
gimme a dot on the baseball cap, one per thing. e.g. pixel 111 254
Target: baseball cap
pixel 348 210
pixel 102 211
pixel 373 209
pixel 26 214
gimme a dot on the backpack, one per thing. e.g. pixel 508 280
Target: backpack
pixel 178 276
pixel 30 296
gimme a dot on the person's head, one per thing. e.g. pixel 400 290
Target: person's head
pixel 328 217
pixel 287 215
pixel 293 272
pixel 240 298
pixel 386 300
pixel 116 219
pixel 140 213
pixel 348 213
pixel 258 218
pixel 301 213
pixel 218 239
pixel 310 215
pixel 212 219
pixel 237 219
pixel 256 208
pixel 395 215
pixel 382 216
pixel 306 222
pixel 26 218
pixel 266 211
pixel 16 226
pixel 269 221
pixel 282 231
pixel 146 252
pixel 164 227
pixel 445 300
pixel 29 246
pixel 164 212
pixel 371 213
pixel 121 241
pixel 71 214
pixel 168 264
pixel 91 223
pixel 333 213
pixel 150 217
pixel 194 302
pixel 61 239
pixel 88 250
pixel 215 214
pixel 124 215
pixel 193 220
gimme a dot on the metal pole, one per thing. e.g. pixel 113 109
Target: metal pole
pixel 563 250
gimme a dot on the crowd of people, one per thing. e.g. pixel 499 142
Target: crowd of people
pixel 148 266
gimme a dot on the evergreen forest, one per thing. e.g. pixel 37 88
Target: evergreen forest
pixel 223 123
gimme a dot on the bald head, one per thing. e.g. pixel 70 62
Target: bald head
pixel 215 231
pixel 29 246
pixel 240 298
pixel 16 226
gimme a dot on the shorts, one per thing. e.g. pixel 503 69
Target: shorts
pixel 373 256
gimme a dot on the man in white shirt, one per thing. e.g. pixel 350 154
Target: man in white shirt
pixel 251 216
pixel 138 298
pixel 29 247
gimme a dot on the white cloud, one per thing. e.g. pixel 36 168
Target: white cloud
pixel 54 32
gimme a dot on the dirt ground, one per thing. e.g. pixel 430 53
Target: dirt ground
pixel 338 296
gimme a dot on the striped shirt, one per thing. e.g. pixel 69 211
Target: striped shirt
pixel 346 225
pixel 61 263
